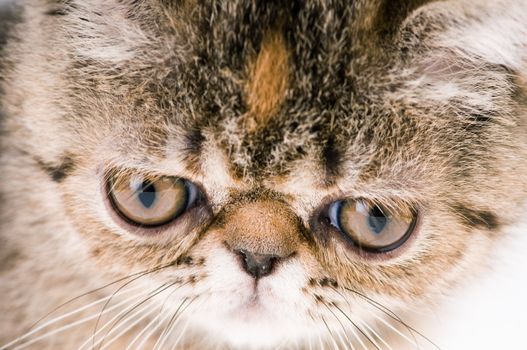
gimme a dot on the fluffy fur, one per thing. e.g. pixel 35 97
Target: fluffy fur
pixel 409 104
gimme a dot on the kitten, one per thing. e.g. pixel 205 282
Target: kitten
pixel 254 174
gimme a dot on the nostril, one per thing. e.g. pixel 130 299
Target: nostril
pixel 257 265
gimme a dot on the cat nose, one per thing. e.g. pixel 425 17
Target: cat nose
pixel 257 265
pixel 261 234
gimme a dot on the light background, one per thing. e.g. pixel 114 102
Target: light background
pixel 491 312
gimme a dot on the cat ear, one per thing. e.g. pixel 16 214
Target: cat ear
pixel 111 38
pixel 473 33
pixel 390 14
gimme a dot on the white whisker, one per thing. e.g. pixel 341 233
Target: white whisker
pixel 146 328
pixel 167 317
pixel 170 326
pixel 320 343
pixel 342 326
pixel 128 309
pixel 310 345
pixel 376 335
pixel 59 318
pixel 182 332
pixel 358 337
pixel 145 314
pixel 354 322
pixel 387 324
pixel 176 342
pixel 71 325
pixel 332 337
pixel 346 341
pixel 367 333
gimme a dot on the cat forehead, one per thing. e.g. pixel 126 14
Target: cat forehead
pixel 264 77
pixel 269 85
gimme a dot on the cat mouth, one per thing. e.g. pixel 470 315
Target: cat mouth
pixel 253 308
pixel 255 305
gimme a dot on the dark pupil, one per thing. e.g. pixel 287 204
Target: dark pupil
pixel 377 220
pixel 147 194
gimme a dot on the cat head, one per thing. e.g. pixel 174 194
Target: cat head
pixel 284 170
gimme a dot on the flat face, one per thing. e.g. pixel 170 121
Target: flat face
pixel 267 174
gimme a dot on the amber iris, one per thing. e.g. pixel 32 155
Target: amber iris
pixel 372 227
pixel 149 201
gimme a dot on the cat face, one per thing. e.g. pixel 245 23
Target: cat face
pixel 283 173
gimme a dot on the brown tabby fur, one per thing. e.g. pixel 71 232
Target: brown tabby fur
pixel 274 109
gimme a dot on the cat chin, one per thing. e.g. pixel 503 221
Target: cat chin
pixel 256 321
pixel 255 331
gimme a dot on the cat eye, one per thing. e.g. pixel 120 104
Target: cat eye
pixel 371 227
pixel 148 201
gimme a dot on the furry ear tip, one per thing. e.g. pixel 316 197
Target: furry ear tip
pixel 392 13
